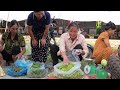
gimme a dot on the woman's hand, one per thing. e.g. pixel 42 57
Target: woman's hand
pixel 18 56
pixel 43 41
pixel 83 52
pixel 34 42
pixel 66 60
pixel 79 51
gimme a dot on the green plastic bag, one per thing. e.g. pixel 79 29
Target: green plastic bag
pixel 101 74
pixel 92 70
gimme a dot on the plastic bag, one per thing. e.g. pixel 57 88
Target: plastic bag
pixel 101 74
pixel 76 66
pixel 28 46
pixel 74 73
pixel 37 72
pixel 70 56
pixel 77 74
pixel 20 72
pixel 22 63
pixel 52 75
pixel 73 56
pixel 2 73
pixel 75 53
pixel 87 62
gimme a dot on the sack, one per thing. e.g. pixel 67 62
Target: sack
pixel 74 73
pixel 113 66
pixel 2 73
pixel 28 45
pixel 37 70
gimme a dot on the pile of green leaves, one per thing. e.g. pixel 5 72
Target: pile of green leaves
pixel 77 74
pixel 16 69
pixel 65 67
pixel 36 65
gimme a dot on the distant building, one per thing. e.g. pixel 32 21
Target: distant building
pixel 87 27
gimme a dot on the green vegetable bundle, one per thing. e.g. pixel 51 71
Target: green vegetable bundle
pixel 37 70
pixel 66 67
pixel 16 69
pixel 77 74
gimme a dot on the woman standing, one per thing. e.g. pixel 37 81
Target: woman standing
pixel 38 26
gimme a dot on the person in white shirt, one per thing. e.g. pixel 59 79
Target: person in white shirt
pixel 69 41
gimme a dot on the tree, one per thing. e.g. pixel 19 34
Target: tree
pixel 98 26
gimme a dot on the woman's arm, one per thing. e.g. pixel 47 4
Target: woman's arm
pixel 22 46
pixel 47 27
pixel 106 40
pixel 18 56
pixel 23 50
pixel 31 33
pixel 65 58
pixel 63 50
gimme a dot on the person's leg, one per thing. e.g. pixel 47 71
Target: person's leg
pixel 43 51
pixel 7 57
pixel 53 51
pixel 79 47
pixel 53 38
pixel 35 51
pixel 98 58
pixel 105 54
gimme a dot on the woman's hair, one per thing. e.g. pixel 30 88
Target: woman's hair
pixel 110 25
pixel 73 24
pixel 13 22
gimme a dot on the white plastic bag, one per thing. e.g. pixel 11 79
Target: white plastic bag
pixel 75 53
pixel 74 73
